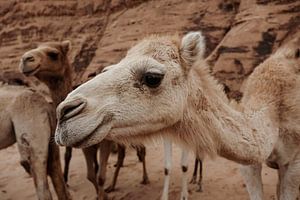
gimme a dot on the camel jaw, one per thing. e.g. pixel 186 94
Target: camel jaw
pixel 28 71
pixel 82 137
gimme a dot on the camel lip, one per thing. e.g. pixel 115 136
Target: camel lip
pixel 74 112
pixel 84 142
pixel 77 144
pixel 31 72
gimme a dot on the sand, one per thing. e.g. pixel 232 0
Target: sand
pixel 222 179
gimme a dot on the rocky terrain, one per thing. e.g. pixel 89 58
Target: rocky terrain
pixel 240 33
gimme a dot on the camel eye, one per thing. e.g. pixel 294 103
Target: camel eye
pixel 152 80
pixel 52 55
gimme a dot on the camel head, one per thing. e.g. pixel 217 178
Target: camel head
pixel 48 59
pixel 145 93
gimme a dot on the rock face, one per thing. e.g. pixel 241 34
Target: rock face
pixel 240 33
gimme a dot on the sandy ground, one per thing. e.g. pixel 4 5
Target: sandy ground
pixel 222 179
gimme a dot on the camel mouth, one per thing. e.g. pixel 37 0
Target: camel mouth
pixel 83 142
pixel 78 144
pixel 91 137
pixel 31 72
pixel 95 137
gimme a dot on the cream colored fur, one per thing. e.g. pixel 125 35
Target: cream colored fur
pixel 190 107
pixel 26 118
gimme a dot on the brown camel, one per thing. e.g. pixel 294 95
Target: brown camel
pixel 28 119
pixel 163 88
pixel 49 63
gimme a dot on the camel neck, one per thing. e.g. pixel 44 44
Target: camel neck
pixel 59 86
pixel 217 128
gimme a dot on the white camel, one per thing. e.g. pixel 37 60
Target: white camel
pixel 163 88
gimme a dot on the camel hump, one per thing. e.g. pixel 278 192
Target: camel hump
pixel 14 78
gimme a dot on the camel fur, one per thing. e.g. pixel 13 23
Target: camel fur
pixel 49 63
pixel 163 88
pixel 28 119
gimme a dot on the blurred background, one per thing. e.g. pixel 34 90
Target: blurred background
pixel 240 34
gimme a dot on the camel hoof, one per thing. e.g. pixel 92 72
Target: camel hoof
pixel 199 189
pixel 145 181
pixel 116 165
pixel 193 180
pixel 102 196
pixel 164 197
pixel 184 197
pixel 110 189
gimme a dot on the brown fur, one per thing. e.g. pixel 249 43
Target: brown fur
pixel 57 75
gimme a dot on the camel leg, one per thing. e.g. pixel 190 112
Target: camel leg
pixel 55 172
pixel 281 172
pixel 90 155
pixel 68 156
pixel 200 175
pixel 39 172
pixel 194 177
pixel 168 166
pixel 33 136
pixel 253 180
pixel 141 153
pixel 290 182
pixel 35 162
pixel 105 147
pixel 119 164
pixel 184 167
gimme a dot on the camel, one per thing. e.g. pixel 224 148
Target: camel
pixel 163 88
pixel 28 119
pixel 49 63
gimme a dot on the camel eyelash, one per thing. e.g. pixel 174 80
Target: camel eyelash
pixel 138 73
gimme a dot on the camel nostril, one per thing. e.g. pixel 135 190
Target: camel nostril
pixel 70 109
pixel 28 59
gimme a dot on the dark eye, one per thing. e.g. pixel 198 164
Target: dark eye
pixel 152 80
pixel 52 55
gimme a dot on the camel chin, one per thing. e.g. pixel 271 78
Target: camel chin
pixel 85 135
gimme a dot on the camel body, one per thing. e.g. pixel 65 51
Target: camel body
pixel 276 82
pixel 28 119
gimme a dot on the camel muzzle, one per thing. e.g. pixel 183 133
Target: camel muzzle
pixel 69 109
pixel 29 64
pixel 28 58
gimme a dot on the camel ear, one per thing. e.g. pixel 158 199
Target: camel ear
pixel 66 46
pixel 192 48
